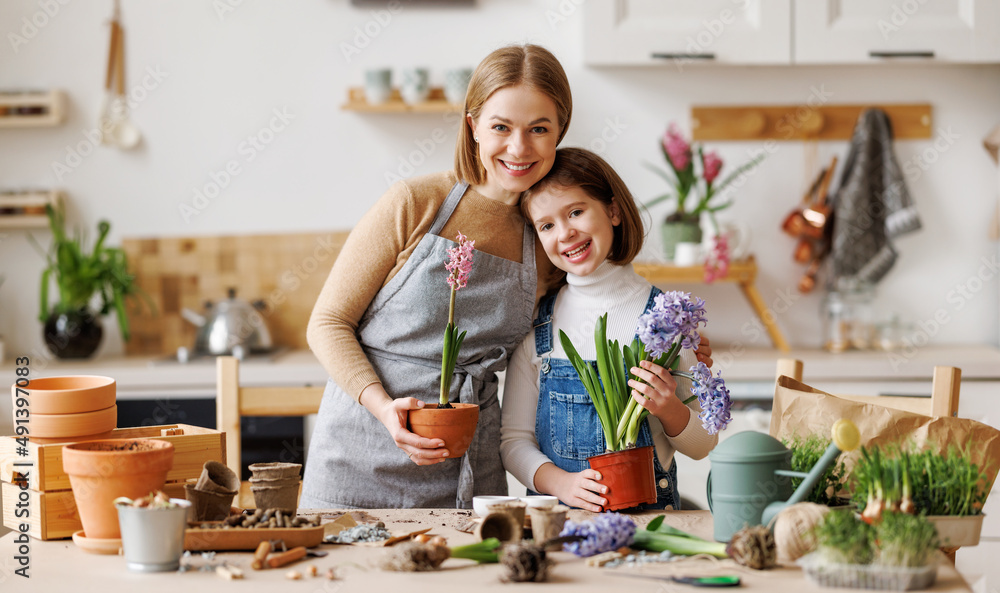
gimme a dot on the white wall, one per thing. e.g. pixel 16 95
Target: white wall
pixel 221 78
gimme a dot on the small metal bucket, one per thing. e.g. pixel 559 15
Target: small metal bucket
pixel 153 539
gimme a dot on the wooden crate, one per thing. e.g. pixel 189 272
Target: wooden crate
pixel 52 515
pixel 51 504
pixel 191 450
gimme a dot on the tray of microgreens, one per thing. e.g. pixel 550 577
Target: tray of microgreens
pixel 899 552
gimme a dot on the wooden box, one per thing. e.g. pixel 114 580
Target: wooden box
pixel 52 508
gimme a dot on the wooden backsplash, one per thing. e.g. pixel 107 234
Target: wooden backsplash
pixel 287 272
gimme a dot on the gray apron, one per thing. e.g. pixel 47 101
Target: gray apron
pixel 352 460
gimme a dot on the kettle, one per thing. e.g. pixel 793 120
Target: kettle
pixel 231 325
pixel 752 477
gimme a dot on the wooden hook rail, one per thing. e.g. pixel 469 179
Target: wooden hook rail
pixel 803 122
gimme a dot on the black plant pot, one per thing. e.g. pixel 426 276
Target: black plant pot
pixel 73 335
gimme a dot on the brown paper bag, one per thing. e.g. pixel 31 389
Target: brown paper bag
pixel 800 410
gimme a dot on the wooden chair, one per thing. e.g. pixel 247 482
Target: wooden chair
pixel 232 402
pixel 942 402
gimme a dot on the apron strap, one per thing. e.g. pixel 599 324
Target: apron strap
pixel 446 209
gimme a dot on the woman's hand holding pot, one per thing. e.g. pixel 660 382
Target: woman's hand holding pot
pixel 393 414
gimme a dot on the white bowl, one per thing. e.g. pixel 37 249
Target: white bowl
pixel 540 501
pixel 480 504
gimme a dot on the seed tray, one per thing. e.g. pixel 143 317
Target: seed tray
pixel 868 576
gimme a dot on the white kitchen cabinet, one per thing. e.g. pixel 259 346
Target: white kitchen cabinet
pixel 681 32
pixel 865 31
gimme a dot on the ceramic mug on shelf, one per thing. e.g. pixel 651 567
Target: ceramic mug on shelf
pixel 456 83
pixel 415 87
pixel 687 254
pixel 378 85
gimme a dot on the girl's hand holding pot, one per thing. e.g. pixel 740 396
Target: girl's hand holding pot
pixel 580 489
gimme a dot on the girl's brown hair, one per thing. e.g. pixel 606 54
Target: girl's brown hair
pixel 530 65
pixel 577 167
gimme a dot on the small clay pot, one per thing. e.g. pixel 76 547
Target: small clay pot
pixel 547 524
pixel 629 476
pixel 217 477
pixel 101 471
pixel 285 498
pixel 276 470
pixel 208 506
pixel 455 425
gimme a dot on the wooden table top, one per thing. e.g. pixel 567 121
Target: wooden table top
pixel 61 566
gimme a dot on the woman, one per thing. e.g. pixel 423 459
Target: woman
pixel 378 323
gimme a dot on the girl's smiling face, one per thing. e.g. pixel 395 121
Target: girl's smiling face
pixel 576 231
pixel 517 131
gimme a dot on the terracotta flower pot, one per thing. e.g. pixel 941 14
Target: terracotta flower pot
pixel 100 471
pixel 70 426
pixel 628 475
pixel 455 425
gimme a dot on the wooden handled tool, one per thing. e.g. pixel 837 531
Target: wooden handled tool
pixel 279 560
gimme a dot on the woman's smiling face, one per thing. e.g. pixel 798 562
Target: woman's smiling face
pixel 517 132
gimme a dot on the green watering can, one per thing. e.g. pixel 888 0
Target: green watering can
pixel 750 481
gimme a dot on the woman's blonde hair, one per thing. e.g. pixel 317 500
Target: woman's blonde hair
pixel 577 167
pixel 530 65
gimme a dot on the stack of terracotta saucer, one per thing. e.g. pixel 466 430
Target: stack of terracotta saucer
pixel 68 408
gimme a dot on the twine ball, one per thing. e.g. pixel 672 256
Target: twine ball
pixel 793 530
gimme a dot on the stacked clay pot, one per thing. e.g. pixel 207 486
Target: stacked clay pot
pixel 69 408
pixel 275 485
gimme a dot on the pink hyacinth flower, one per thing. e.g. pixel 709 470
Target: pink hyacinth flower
pixel 678 149
pixel 712 164
pixel 717 263
pixel 460 262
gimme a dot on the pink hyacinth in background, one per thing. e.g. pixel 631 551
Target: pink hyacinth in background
pixel 717 262
pixel 677 148
pixel 711 165
pixel 460 262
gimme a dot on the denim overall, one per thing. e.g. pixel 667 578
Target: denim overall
pixel 567 427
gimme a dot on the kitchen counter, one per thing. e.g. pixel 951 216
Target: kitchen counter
pixel 138 375
pixel 61 566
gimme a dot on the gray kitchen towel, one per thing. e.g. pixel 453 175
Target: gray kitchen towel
pixel 872 205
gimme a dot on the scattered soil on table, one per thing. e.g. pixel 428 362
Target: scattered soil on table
pixel 359 516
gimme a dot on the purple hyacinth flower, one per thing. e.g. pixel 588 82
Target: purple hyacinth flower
pixel 603 533
pixel 713 397
pixel 675 315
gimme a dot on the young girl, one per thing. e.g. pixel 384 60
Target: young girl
pixel 590 227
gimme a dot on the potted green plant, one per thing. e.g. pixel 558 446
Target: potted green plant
pixel 670 325
pixel 945 487
pixel 806 452
pixel 81 275
pixel 688 175
pixel 454 423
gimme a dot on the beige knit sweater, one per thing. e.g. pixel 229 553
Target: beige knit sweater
pixel 377 249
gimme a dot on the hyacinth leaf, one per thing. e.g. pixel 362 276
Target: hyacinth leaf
pixel 620 377
pixel 449 333
pixel 590 381
pixel 603 362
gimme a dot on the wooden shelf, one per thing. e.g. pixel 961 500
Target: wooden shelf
pixel 803 122
pixel 26 210
pixel 435 103
pixel 32 108
pixel 742 272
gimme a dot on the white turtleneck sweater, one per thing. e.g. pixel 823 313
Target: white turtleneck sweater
pixel 622 294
